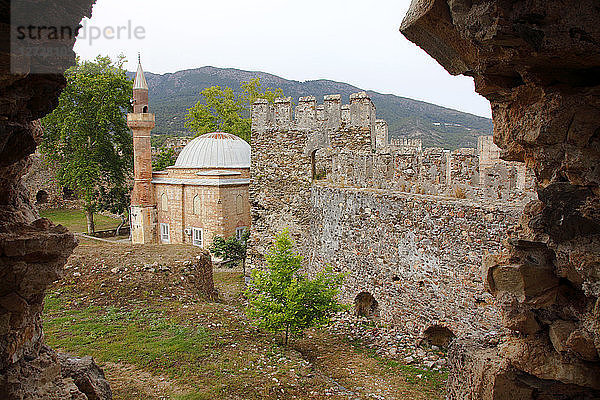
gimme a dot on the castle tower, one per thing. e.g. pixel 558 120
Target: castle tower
pixel 143 205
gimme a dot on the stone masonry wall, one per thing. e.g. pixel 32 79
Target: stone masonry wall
pixel 320 175
pixel 419 256
pixel 284 149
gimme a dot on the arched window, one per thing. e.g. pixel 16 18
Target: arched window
pixel 197 205
pixel 145 110
pixel 365 305
pixel 239 204
pixel 164 202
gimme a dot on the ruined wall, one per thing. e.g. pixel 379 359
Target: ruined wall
pixel 432 171
pixel 43 186
pixel 286 150
pixel 537 62
pixel 419 256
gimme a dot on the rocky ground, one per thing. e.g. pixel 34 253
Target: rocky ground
pixel 139 312
pixel 389 343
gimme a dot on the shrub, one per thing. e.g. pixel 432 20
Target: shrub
pixel 282 300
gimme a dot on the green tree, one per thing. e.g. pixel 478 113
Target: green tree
pixel 282 300
pixel 87 134
pixel 165 158
pixel 231 249
pixel 220 109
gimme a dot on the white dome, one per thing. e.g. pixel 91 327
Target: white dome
pixel 215 150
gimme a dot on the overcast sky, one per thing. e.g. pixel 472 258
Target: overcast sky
pixel 351 41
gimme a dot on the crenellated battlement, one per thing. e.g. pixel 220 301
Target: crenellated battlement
pixel 405 145
pixel 310 116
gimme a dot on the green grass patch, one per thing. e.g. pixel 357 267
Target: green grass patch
pixel 75 220
pixel 139 337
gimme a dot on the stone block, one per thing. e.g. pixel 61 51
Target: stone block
pixel 522 280
pixel 582 343
pixel 559 332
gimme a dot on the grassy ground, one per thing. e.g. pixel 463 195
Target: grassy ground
pixel 157 338
pixel 75 221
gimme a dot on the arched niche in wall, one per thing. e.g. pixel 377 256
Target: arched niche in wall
pixel 41 197
pixel 239 204
pixel 365 305
pixel 164 202
pixel 197 205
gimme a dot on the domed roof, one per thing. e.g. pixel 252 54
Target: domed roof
pixel 215 150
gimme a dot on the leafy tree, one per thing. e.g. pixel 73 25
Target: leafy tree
pixel 231 249
pixel 165 158
pixel 283 300
pixel 253 90
pixel 222 110
pixel 87 134
pixel 115 200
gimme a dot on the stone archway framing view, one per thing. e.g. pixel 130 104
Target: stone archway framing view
pixel 537 62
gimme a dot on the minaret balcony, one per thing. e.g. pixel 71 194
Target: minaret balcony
pixel 140 121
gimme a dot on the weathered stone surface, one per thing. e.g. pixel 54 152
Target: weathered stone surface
pixel 481 370
pixel 86 375
pixel 419 256
pixel 38 378
pixel 32 250
pixel 522 280
pixel 537 62
pixel 536 356
pixel 559 333
pixel 582 343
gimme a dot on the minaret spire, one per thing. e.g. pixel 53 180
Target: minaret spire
pixel 140 90
pixel 143 203
pixel 140 80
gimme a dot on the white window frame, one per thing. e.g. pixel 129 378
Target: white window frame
pixel 165 234
pixel 195 242
pixel 239 232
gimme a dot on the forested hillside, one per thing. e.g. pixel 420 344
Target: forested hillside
pixel 172 94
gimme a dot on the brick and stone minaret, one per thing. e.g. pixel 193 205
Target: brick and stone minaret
pixel 143 203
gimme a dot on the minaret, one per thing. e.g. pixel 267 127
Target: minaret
pixel 143 205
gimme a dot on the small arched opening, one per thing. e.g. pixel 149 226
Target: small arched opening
pixel 41 197
pixel 145 110
pixel 365 305
pixel 438 335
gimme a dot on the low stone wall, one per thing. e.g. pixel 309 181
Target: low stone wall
pixel 419 256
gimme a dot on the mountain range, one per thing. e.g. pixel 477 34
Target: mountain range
pixel 172 94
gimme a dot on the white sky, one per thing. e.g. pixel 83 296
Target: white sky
pixel 353 41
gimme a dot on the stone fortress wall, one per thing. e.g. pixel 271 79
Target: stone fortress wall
pixel 385 212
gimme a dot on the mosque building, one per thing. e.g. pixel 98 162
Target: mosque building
pixel 205 194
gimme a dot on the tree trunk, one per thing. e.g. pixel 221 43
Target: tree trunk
pixel 89 216
pixel 118 230
pixel 287 329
